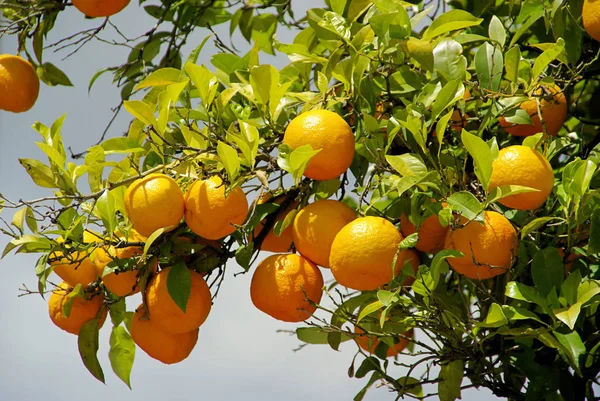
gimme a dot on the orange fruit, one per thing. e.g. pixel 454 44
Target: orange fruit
pixel 165 312
pixel 522 165
pixel 209 213
pixel 76 267
pixel 19 84
pixel 273 243
pixel 489 248
pixel 82 309
pixel 152 202
pixel 121 282
pixel 370 342
pixel 325 130
pixel 590 16
pixel 100 8
pixel 553 108
pixel 166 347
pixel 283 284
pixel 363 251
pixel 315 227
pixel 431 233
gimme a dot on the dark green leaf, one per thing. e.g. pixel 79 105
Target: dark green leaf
pixel 451 376
pixel 547 270
pixel 467 205
pixel 179 284
pixel 88 344
pixel 52 75
pixel 482 157
pixel 489 64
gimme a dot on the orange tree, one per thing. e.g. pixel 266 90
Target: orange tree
pixel 476 122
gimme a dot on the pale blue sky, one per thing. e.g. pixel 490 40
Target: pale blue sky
pixel 239 355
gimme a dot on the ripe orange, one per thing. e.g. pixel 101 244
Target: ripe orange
pixel 273 243
pixel 553 108
pixel 209 213
pixel 82 310
pixel 100 8
pixel 590 15
pixel 315 227
pixel 363 251
pixel 19 84
pixel 325 130
pixel 121 282
pixel 489 248
pixel 165 312
pixel 522 165
pixel 152 202
pixel 431 233
pixel 370 342
pixel 166 347
pixel 75 267
pixel 283 284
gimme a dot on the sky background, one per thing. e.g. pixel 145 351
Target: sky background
pixel 239 355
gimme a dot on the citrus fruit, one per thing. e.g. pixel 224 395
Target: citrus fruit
pixel 283 284
pixel 273 243
pixel 370 342
pixel 363 251
pixel 124 280
pixel 82 309
pixel 553 107
pixel 167 314
pixel 19 84
pixel 154 202
pixel 100 8
pixel 325 130
pixel 431 233
pixel 209 213
pixel 315 227
pixel 166 347
pixel 590 15
pixel 489 248
pixel 76 267
pixel 524 166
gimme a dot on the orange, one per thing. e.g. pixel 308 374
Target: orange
pixel 522 165
pixel 590 16
pixel 82 309
pixel 273 243
pixel 363 251
pixel 286 287
pixel 154 202
pixel 100 8
pixel 19 84
pixel 121 282
pixel 370 342
pixel 489 248
pixel 431 233
pixel 315 227
pixel 325 130
pixel 165 312
pixel 76 267
pixel 166 347
pixel 553 108
pixel 209 213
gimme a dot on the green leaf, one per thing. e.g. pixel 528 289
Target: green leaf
pixel 568 315
pixel 450 21
pixel 282 225
pixel 105 207
pixel 54 155
pixel 230 159
pixel 594 239
pixel 547 270
pixel 88 345
pixel 294 161
pixel 514 314
pixel 482 157
pixel 407 164
pixel 76 292
pixel 261 79
pixel 532 17
pixel 121 354
pixel 40 173
pixel 496 31
pixel 204 80
pixel 150 240
pixel 370 308
pixel 535 224
pixel 523 292
pixel 243 255
pixel 488 64
pixel 573 344
pixel 117 311
pixel 316 335
pixel 335 23
pixel 18 219
pixel 449 61
pixel 51 75
pixel 549 55
pixel 495 317
pixel 179 284
pixel 141 111
pixel 512 59
pixel 467 205
pixel 445 98
pixel 263 29
pixel 451 376
pixel 160 77
pixel 122 145
pixel 395 25
pixel 326 189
